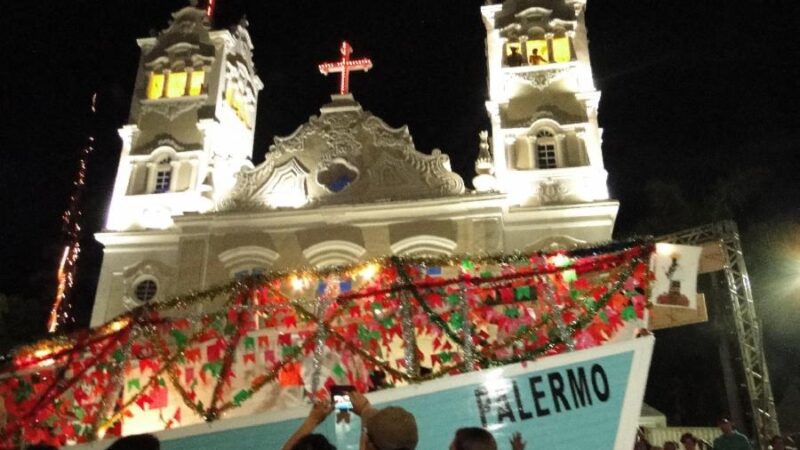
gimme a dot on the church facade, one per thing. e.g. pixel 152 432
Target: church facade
pixel 190 211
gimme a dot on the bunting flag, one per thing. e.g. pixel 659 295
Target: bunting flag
pixel 374 325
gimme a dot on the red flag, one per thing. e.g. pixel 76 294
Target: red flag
pixel 158 397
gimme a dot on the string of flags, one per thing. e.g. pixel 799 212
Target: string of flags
pixel 377 324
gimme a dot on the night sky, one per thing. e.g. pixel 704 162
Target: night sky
pixel 695 95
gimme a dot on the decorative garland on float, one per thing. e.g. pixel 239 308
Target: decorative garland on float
pixel 477 312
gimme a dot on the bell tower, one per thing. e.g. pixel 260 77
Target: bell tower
pixel 543 104
pixel 190 128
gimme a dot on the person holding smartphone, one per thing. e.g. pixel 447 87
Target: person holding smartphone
pixel 389 428
pixel 304 438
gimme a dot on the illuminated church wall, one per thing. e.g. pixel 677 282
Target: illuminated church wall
pixel 345 186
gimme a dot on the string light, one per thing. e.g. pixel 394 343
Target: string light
pixel 67 268
pixel 369 271
pixel 211 5
pixel 345 66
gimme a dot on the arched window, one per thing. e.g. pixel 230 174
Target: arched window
pixel 334 253
pixel 241 262
pixel 163 175
pixel 546 150
pixel 424 245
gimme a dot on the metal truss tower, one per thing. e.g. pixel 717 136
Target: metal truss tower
pixel 724 238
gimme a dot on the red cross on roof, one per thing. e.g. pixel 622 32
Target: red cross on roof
pixel 345 66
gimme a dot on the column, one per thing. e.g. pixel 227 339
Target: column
pixel 174 173
pixel 166 83
pixel 187 89
pixel 151 178
pixel 523 47
pixel 571 38
pixel 551 57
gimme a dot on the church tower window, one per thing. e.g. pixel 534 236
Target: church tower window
pixel 176 84
pixel 169 84
pixel 145 290
pixel 196 81
pixel 155 86
pixel 163 175
pixel 545 150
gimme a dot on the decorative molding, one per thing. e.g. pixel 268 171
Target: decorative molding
pixel 247 257
pixel 333 253
pixel 540 79
pixel 553 243
pixel 165 140
pixel 424 245
pixel 287 185
pixel 162 274
pixel 387 164
pixel 553 191
pixel 551 112
pixel 171 108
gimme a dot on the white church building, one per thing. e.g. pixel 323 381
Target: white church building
pixel 190 211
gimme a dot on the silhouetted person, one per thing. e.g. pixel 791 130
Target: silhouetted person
pixel 473 438
pixel 137 442
pixel 730 439
pixel 514 59
pixel 535 59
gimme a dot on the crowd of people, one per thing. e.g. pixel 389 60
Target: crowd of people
pixel 729 439
pixel 394 428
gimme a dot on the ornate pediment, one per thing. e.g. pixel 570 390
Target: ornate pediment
pixel 525 13
pixel 165 140
pixel 344 156
pixel 185 43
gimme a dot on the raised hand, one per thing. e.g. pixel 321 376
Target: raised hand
pixel 360 402
pixel 319 412
pixel 516 442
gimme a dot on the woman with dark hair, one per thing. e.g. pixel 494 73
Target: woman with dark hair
pixel 473 438
pixel 313 442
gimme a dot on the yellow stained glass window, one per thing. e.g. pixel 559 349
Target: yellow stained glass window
pixel 537 52
pixel 176 84
pixel 561 49
pixel 155 85
pixel 196 83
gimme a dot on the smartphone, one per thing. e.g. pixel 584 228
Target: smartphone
pixel 340 397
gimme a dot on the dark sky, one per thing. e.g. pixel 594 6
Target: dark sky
pixel 694 93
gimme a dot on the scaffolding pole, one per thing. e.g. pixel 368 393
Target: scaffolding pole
pixel 747 326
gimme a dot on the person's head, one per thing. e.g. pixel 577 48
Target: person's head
pixel 473 438
pixel 670 445
pixel 514 50
pixel 777 443
pixel 725 424
pixel 689 441
pixel 313 442
pixel 535 51
pixel 390 428
pixel 136 442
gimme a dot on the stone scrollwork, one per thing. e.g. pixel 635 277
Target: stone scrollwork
pixel 172 108
pixel 379 162
pixel 552 191
pixel 542 78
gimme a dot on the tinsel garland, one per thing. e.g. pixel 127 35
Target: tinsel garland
pixel 398 283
